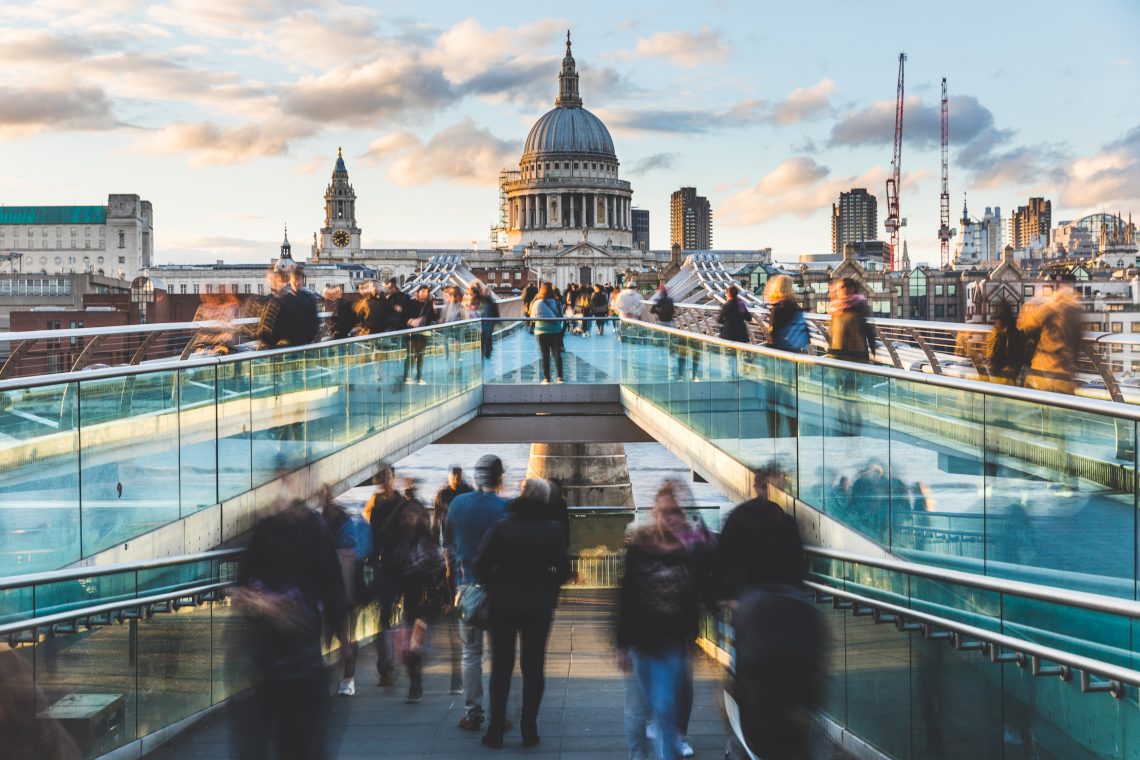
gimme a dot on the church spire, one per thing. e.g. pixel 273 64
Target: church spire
pixel 568 96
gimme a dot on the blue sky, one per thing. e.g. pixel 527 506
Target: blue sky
pixel 228 116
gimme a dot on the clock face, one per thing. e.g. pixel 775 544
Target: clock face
pixel 340 238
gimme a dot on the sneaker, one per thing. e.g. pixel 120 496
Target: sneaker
pixel 415 694
pixel 456 689
pixel 347 688
pixel 409 381
pixel 651 731
pixel 559 381
pixel 545 382
pixel 684 749
pixel 387 678
pixel 423 382
pixel 471 722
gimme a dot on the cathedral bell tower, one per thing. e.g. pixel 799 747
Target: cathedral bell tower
pixel 340 237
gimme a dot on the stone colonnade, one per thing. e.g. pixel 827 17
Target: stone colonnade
pixel 573 210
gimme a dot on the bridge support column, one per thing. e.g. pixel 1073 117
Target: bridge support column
pixel 591 474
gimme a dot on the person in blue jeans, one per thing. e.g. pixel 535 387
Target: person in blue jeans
pixel 469 517
pixel 658 613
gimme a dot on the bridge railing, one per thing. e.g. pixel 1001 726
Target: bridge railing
pixel 991 479
pixel 90 460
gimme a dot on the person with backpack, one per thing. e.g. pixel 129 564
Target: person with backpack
pixel 657 620
pixel 734 316
pixel 600 307
pixel 382 513
pixel 548 310
pixel 787 326
pixel 663 308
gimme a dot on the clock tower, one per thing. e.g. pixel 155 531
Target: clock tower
pixel 340 237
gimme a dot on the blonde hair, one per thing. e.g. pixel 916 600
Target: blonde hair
pixel 779 288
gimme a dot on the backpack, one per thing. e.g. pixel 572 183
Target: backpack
pixel 665 309
pixel 794 335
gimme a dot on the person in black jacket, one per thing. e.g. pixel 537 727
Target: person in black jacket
pixel 288 583
pixel 600 307
pixel 306 320
pixel 420 313
pixel 286 318
pixel 657 619
pixel 852 337
pixel 734 316
pixel 342 318
pixel 396 303
pixel 522 563
pixel 760 543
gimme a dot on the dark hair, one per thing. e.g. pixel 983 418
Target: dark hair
pixel 850 284
pixel 392 281
pixel 732 291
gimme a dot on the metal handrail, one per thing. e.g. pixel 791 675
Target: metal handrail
pixel 96 571
pixel 57 618
pixel 991 643
pixel 1077 599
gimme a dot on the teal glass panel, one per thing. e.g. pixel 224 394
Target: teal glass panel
pixel 324 401
pixel 93 672
pixel 39 478
pixel 1060 505
pixel 833 691
pixel 129 475
pixel 197 438
pixel 937 494
pixel 879 686
pixel 278 406
pixel 857 451
pixel 174 674
pixel 955 703
pixel 811 472
pixel 234 425
pixel 61 596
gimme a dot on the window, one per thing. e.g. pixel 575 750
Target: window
pixel 209 288
pixel 952 289
pixel 86 231
pixel 937 290
pixel 490 275
pixel 939 310
pixel 86 243
pixel 247 288
pixel 917 283
pixel 261 288
pixel 1046 290
pixel 122 239
pixel 575 164
pixel 196 289
pixel 951 309
pixel 122 259
pixel 1027 291
pixel 1117 327
pixel 182 288
pixel 234 288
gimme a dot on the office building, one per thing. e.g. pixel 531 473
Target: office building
pixel 1032 223
pixel 640 229
pixel 690 220
pixel 854 219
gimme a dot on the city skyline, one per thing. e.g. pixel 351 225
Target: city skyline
pixel 228 119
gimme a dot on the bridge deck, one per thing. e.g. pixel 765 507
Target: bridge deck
pixel 581 715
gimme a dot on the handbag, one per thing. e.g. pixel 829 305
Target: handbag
pixel 474 605
pixel 794 335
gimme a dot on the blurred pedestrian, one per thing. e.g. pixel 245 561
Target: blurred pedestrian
pixel 1053 325
pixel 452 310
pixel 420 313
pixel 1006 347
pixel 352 549
pixel 382 512
pixel 288 583
pixel 787 326
pixel 396 303
pixel 663 308
pixel 548 329
pixel 759 542
pixel 734 316
pixel 600 308
pixel 342 318
pixel 307 321
pixel 469 518
pixel 456 485
pixel 852 337
pixel 371 310
pixel 522 563
pixel 282 323
pixel 628 302
pixel 530 292
pixel 657 619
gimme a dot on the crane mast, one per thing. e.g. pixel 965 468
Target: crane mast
pixel 944 231
pixel 894 220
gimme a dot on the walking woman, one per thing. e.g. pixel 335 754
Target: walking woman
pixel 658 613
pixel 522 564
pixel 549 333
pixel 420 314
pixel 787 328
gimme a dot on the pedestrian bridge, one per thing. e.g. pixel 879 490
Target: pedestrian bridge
pixel 975 519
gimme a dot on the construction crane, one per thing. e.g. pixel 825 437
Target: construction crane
pixel 945 232
pixel 894 221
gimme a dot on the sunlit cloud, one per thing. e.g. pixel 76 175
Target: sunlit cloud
pixel 463 153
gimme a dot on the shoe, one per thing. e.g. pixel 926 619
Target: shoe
pixel 423 382
pixel 559 381
pixel 545 382
pixel 387 678
pixel 493 739
pixel 409 381
pixel 684 749
pixel 471 722
pixel 415 694
pixel 529 732
pixel 347 688
pixel 455 690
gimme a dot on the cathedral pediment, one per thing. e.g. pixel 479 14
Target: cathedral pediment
pixel 585 250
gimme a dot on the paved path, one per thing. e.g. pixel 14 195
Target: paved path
pixel 581 715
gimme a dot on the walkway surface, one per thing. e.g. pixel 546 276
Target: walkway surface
pixel 581 715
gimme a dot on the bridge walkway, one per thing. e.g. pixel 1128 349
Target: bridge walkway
pixel 581 715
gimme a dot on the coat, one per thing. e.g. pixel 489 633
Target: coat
pixel 733 319
pixel 522 561
pixel 1056 327
pixel 852 337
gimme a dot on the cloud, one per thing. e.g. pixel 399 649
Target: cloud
pixel 1110 177
pixel 798 186
pixel 36 46
pixel 656 161
pixel 922 123
pixel 60 106
pixel 212 144
pixel 803 103
pixel 687 49
pixel 464 153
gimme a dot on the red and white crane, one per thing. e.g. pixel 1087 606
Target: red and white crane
pixel 894 220
pixel 945 232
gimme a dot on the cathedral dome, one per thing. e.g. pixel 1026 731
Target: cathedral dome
pixel 570 130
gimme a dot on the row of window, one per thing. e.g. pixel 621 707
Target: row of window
pixel 506 276
pixel 539 168
pixel 30 231
pixel 71 260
